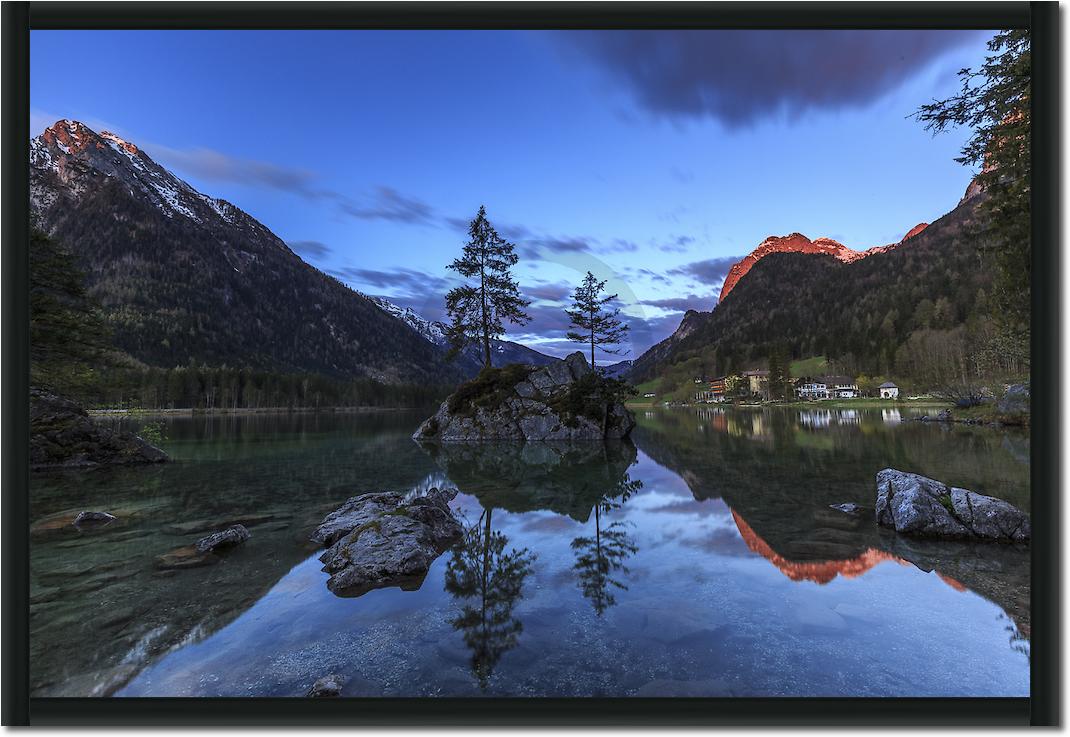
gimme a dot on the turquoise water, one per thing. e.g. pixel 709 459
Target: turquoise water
pixel 703 561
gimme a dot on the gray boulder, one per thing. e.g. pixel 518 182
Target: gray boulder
pixel 1015 401
pixel 233 535
pixel 386 539
pixel 563 401
pixel 62 435
pixel 326 687
pixel 917 505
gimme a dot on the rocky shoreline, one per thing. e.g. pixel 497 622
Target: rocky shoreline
pixel 62 435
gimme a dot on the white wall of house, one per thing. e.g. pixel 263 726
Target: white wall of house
pixel 889 392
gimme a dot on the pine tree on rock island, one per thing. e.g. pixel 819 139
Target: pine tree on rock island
pixel 478 308
pixel 600 326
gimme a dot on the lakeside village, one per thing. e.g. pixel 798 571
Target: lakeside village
pixel 753 386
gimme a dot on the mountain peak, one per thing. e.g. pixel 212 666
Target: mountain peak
pixel 125 145
pixel 799 243
pixel 69 136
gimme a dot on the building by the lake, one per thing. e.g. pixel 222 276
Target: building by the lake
pixel 888 390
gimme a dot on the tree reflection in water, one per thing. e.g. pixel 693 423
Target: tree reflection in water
pixel 603 555
pixel 490 581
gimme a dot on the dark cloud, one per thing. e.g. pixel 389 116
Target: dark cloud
pixel 710 271
pixel 312 249
pixel 741 77
pixel 401 279
pixel 549 292
pixel 682 304
pixel 568 244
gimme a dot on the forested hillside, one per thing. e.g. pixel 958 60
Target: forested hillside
pixel 184 279
pixel 917 311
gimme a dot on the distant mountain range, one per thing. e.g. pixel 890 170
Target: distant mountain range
pixel 184 277
pixel 821 298
pixel 503 352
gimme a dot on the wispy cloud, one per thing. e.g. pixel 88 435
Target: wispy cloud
pixel 386 203
pixel 312 249
pixel 676 244
pixel 214 166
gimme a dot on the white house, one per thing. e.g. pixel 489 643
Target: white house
pixel 889 390
pixel 841 387
pixel 808 387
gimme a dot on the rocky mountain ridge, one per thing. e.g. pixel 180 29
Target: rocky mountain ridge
pixel 799 243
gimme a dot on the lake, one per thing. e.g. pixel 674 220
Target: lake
pixel 703 560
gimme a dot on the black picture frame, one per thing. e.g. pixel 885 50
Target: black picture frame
pixel 1041 708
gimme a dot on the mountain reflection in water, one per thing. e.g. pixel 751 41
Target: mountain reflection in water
pixel 703 560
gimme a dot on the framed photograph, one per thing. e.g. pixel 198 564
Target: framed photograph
pixel 530 363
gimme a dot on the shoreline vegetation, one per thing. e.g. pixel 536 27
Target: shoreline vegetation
pixel 198 411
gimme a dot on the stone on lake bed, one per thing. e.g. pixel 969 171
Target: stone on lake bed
pixel 186 556
pixel 850 508
pixel 93 518
pixel 917 505
pixel 326 687
pixel 233 535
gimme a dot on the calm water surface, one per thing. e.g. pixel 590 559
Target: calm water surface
pixel 703 561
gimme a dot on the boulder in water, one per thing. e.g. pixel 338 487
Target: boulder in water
pixel 386 538
pixel 917 505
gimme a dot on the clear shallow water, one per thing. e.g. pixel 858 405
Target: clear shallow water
pixel 703 561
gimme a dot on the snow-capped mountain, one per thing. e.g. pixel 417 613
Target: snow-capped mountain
pixel 503 352
pixel 185 278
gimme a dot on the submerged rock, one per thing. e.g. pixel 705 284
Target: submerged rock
pixel 385 538
pixel 233 535
pixel 186 556
pixel 855 510
pixel 93 518
pixel 326 687
pixel 63 436
pixel 917 505
pixel 562 401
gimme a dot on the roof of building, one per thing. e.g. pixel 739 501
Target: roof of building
pixel 838 380
pixel 887 385
pixel 759 372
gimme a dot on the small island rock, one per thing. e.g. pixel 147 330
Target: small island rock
pixel 565 400
pixel 917 505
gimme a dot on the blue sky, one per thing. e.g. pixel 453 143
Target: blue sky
pixel 654 159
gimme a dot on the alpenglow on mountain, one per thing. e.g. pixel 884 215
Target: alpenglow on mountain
pixel 184 277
